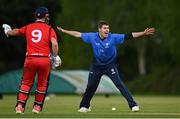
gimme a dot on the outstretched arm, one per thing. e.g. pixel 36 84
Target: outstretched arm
pixel 8 30
pixel 13 32
pixel 71 33
pixel 146 32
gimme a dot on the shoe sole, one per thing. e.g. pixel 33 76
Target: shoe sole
pixel 84 111
pixel 35 112
pixel 19 113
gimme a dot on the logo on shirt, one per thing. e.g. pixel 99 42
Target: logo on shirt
pixel 107 45
pixel 97 43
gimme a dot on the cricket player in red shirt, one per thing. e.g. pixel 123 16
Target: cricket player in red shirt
pixel 39 36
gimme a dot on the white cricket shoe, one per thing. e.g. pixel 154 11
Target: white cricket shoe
pixel 84 109
pixel 19 109
pixel 135 109
pixel 36 109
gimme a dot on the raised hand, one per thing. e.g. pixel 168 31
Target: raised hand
pixel 6 28
pixel 149 31
pixel 59 28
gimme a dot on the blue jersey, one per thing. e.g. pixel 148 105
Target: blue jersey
pixel 104 51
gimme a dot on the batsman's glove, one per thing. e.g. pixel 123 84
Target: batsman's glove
pixel 6 28
pixel 56 62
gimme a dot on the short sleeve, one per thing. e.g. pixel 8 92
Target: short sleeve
pixel 22 31
pixel 53 33
pixel 86 37
pixel 118 38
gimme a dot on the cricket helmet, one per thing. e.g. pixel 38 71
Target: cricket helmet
pixel 41 12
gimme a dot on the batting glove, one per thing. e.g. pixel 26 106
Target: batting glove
pixel 56 61
pixel 6 28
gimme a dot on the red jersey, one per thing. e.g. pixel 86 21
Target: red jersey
pixel 38 36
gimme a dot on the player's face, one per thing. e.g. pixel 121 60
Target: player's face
pixel 104 31
pixel 47 18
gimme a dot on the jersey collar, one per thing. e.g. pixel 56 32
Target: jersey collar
pixel 102 39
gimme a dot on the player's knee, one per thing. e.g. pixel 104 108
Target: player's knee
pixel 41 89
pixel 25 88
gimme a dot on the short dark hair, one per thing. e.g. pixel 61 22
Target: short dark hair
pixel 101 23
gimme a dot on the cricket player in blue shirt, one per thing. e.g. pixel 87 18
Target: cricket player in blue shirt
pixel 104 50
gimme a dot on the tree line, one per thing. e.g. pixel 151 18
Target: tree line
pixel 148 64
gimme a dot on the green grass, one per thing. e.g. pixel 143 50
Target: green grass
pixel 66 106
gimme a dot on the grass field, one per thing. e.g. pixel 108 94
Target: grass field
pixel 66 106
